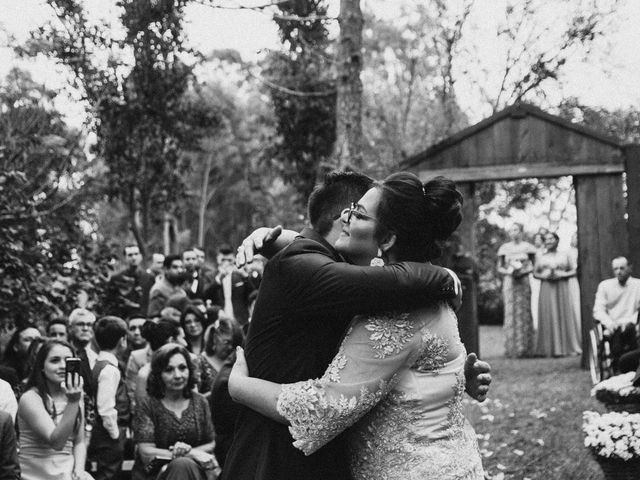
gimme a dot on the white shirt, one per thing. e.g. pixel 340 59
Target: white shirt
pixel 8 402
pixel 616 305
pixel 108 381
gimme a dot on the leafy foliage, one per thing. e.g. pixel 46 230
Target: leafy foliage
pixel 142 118
pixel 302 91
pixel 46 258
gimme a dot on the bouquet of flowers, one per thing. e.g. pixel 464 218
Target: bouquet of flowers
pixel 614 441
pixel 618 391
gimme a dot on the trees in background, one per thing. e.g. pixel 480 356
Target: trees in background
pixel 45 197
pixel 137 96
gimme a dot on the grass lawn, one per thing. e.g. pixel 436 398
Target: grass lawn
pixel 530 426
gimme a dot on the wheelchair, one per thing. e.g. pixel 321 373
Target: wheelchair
pixel 600 359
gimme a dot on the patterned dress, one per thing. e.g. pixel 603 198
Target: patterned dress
pixel 155 423
pixel 516 293
pixel 398 382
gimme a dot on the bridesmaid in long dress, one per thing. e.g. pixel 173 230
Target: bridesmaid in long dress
pixel 515 263
pixel 558 308
pixel 52 443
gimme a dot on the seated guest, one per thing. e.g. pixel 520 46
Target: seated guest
pixel 50 418
pixel 57 330
pixel 157 334
pixel 193 322
pixel 173 422
pixel 9 466
pixel 616 307
pixel 135 340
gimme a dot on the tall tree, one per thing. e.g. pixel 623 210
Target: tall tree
pixel 142 120
pixel 348 150
pixel 302 89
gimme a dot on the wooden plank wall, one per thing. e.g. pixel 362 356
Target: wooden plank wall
pixel 632 165
pixel 602 234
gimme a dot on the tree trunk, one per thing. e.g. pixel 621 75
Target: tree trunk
pixel 204 201
pixel 348 146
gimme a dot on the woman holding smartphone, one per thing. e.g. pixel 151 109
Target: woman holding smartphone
pixel 50 418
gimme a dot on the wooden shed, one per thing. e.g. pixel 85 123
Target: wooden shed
pixel 523 141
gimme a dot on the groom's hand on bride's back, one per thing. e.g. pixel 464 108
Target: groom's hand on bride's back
pixel 477 377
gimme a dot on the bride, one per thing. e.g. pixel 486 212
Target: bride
pixel 397 381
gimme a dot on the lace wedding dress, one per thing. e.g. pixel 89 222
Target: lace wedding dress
pixel 397 383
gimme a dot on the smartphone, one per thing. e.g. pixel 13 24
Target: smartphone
pixel 72 365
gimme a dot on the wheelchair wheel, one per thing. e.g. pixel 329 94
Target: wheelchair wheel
pixel 595 368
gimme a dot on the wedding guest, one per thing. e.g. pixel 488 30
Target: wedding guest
pixel 8 402
pixel 558 308
pixel 515 263
pixel 231 287
pixel 112 401
pixel 173 422
pixel 220 351
pixel 57 329
pixel 50 418
pixel 127 291
pixel 192 322
pixel 9 466
pixel 157 334
pixel 195 284
pixel 538 242
pixel 16 354
pixel 616 307
pixel 168 285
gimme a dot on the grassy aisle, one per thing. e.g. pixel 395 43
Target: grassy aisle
pixel 530 427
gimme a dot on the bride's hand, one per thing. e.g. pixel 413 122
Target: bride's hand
pixel 239 371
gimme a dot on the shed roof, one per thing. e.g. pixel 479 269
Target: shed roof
pixel 517 111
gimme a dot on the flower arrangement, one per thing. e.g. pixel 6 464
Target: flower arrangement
pixel 618 390
pixel 613 435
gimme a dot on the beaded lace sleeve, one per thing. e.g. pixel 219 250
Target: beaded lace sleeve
pixel 359 376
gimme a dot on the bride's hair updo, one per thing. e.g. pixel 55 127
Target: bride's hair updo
pixel 420 215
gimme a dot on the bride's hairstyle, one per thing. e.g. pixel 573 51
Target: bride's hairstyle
pixel 420 215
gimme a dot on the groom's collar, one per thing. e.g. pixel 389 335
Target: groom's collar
pixel 311 234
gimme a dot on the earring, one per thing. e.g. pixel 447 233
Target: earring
pixel 377 261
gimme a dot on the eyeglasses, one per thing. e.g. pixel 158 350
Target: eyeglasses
pixel 353 211
pixel 83 324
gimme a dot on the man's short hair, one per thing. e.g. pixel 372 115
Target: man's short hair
pixel 130 245
pixel 56 321
pixel 80 313
pixel 334 194
pixel 109 330
pixel 225 250
pixel 620 257
pixel 169 259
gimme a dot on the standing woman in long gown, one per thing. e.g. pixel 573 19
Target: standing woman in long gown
pixel 515 263
pixel 558 309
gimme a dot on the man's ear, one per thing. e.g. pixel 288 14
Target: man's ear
pixel 388 242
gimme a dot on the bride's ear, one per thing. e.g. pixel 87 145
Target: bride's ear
pixel 388 242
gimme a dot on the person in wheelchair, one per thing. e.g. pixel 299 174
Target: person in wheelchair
pixel 616 308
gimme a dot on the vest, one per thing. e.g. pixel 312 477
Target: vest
pixel 122 399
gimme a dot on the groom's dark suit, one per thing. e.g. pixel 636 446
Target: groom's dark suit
pixel 306 301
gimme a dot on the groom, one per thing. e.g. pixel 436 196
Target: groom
pixel 305 303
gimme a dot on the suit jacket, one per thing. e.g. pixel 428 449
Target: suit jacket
pixel 241 288
pixel 9 466
pixel 203 284
pixel 128 293
pixel 306 301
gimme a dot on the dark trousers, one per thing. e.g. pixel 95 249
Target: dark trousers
pixel 621 342
pixel 107 452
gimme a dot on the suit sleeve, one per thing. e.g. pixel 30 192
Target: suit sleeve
pixel 324 285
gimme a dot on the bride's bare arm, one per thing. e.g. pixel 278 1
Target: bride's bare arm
pixel 255 393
